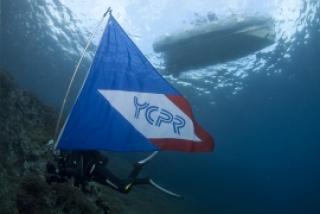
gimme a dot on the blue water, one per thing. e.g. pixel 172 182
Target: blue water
pixel 262 109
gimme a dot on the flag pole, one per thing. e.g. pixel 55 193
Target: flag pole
pixel 75 71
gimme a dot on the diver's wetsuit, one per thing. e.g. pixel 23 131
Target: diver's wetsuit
pixel 86 166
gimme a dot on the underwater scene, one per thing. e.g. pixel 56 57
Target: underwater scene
pixel 249 69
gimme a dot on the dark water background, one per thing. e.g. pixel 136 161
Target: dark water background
pixel 267 134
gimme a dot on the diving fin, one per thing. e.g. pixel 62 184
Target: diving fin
pixel 147 159
pixel 164 190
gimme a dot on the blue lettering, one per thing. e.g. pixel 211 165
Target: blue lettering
pixel 138 107
pixel 178 123
pixel 148 113
pixel 163 116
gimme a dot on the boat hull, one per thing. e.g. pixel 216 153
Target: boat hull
pixel 214 44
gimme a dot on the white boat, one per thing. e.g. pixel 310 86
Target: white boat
pixel 216 42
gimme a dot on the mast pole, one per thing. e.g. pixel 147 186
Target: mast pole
pixel 75 71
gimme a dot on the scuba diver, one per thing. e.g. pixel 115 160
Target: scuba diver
pixel 85 166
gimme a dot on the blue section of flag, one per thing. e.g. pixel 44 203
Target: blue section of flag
pixel 93 123
pixel 120 65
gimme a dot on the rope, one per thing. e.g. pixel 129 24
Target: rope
pixel 75 71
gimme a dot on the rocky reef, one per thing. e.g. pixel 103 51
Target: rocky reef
pixel 25 128
pixel 26 125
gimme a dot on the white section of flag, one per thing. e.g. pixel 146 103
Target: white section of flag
pixel 123 102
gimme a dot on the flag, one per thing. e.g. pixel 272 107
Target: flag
pixel 126 105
